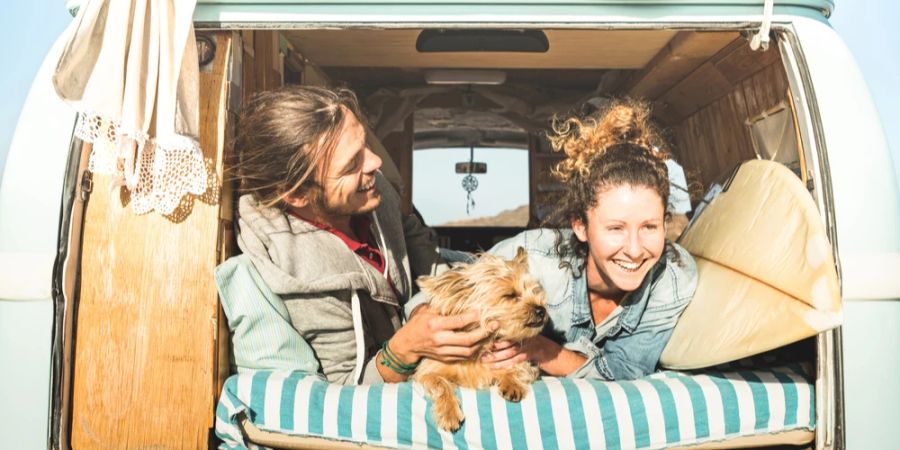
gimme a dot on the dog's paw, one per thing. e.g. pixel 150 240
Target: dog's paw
pixel 448 415
pixel 512 389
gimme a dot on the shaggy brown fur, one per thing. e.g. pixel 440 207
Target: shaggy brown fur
pixel 504 292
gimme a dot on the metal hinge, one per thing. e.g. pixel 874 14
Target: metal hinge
pixel 87 184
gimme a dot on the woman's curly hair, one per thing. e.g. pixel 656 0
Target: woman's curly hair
pixel 617 145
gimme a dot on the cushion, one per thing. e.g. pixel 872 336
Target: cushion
pixel 261 331
pixel 767 276
pixel 666 409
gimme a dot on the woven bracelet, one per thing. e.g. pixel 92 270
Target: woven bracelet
pixel 393 362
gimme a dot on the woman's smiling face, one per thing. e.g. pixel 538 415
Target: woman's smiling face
pixel 625 233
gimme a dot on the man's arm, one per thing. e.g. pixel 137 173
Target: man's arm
pixel 326 322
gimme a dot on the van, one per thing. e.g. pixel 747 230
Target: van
pixel 112 331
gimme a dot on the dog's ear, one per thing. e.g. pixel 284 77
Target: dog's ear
pixel 521 257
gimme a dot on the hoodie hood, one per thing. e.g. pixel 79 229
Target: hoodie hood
pixel 295 257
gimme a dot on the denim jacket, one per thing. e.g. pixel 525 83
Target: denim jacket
pixel 632 346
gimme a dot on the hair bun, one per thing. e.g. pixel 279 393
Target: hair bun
pixel 623 121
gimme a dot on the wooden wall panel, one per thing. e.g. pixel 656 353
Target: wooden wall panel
pixel 676 100
pixel 399 147
pixel 545 191
pixel 262 63
pixel 145 349
pixel 267 64
pixel 714 139
pixel 687 51
pixel 693 92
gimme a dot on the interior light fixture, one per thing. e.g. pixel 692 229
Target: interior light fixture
pixel 464 76
pixel 481 40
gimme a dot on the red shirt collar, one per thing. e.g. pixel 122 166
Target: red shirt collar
pixel 361 225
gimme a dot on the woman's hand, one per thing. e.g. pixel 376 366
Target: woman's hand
pixel 505 354
pixel 430 335
pixel 542 351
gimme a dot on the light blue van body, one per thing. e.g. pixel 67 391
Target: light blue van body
pixel 855 186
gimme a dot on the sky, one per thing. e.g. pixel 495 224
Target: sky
pixel 438 192
pixel 29 28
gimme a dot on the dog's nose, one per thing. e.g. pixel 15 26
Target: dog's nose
pixel 540 312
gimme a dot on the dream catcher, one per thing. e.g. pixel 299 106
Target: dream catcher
pixel 469 182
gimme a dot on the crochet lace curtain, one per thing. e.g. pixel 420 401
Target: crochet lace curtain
pixel 130 70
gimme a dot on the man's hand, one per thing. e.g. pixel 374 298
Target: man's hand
pixel 430 335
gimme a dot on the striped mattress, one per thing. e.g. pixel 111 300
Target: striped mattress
pixel 662 410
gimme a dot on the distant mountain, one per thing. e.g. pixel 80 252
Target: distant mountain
pixel 516 217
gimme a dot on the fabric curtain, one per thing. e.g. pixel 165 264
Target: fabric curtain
pixel 130 69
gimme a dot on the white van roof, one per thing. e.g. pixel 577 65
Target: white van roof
pixel 468 11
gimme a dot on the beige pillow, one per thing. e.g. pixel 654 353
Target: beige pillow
pixel 767 276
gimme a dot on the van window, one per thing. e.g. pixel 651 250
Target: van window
pixel 500 198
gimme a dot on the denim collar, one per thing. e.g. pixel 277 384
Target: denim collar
pixel 632 308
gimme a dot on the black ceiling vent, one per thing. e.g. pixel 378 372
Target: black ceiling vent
pixel 456 40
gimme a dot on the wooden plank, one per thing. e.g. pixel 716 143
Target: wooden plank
pixel 743 62
pixel 687 51
pixel 267 61
pixel 145 369
pixel 715 138
pixel 765 89
pixel 703 86
pixel 227 243
pixel 276 62
pixel 247 39
pixel 545 190
pixel 399 146
pixel 248 71
pixel 569 49
pixel 717 77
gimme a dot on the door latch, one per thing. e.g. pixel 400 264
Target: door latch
pixel 87 184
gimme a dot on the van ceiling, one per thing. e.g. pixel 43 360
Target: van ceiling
pixel 569 49
pixel 581 68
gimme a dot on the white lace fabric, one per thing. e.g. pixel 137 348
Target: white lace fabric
pixel 157 172
pixel 130 69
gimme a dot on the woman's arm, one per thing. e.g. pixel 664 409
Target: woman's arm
pixel 552 358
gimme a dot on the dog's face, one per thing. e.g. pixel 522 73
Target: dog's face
pixel 503 291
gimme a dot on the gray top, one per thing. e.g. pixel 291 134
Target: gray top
pixel 343 307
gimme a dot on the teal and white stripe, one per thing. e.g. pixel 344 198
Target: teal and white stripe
pixel 664 409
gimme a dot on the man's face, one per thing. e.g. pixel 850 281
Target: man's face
pixel 348 187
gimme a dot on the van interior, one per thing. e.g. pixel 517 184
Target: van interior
pixel 475 90
pixel 707 89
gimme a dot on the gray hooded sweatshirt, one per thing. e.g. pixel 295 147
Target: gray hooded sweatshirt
pixel 342 306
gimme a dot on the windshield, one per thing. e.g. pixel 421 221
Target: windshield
pixel 499 199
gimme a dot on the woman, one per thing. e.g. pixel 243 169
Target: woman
pixel 615 288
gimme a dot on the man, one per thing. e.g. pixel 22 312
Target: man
pixel 328 260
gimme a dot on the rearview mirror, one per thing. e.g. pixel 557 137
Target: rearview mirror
pixel 471 167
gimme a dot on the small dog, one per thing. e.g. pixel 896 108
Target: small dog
pixel 505 293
